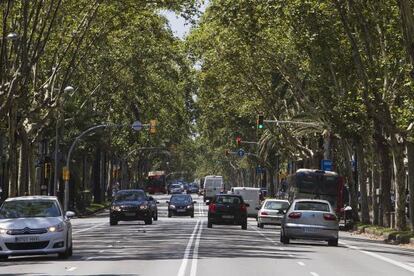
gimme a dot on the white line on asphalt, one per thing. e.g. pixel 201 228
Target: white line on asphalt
pixel 184 262
pixel 86 229
pixel 290 255
pixel 195 252
pixel 301 263
pixel 101 251
pixel 314 274
pixel 71 268
pixel 385 259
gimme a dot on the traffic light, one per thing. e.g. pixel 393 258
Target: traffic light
pixel 238 141
pixel 260 120
pixel 153 126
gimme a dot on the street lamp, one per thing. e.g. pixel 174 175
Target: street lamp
pixel 66 90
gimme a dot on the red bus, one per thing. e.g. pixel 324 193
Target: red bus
pixel 156 182
pixel 317 184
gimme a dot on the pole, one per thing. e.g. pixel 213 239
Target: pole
pixel 55 176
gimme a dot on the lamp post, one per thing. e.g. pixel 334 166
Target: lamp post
pixel 66 90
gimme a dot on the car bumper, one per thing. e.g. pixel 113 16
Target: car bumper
pixel 181 212
pixel 130 215
pixel 48 243
pixel 223 219
pixel 299 231
pixel 275 220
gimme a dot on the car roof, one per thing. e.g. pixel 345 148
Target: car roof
pixel 131 190
pixel 233 195
pixel 246 188
pixel 276 200
pixel 29 198
pixel 311 200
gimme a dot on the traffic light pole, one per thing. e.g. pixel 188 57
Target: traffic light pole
pixel 291 122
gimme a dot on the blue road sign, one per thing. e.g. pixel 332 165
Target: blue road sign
pixel 240 152
pixel 326 165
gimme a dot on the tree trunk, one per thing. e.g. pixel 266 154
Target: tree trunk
pixel 362 180
pixel 351 180
pixel 375 185
pixel 399 177
pixel 12 165
pixel 96 177
pixel 410 154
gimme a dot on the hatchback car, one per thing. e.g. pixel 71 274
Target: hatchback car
pixel 227 209
pixel 310 219
pixel 176 189
pixel 33 225
pixel 129 205
pixel 181 205
pixel 271 212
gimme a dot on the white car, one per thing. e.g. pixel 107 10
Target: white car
pixel 272 212
pixel 33 225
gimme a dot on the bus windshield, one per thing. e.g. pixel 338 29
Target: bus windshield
pixel 317 184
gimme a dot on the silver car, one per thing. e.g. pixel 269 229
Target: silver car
pixel 32 225
pixel 310 219
pixel 271 212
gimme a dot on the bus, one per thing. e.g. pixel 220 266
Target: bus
pixel 317 184
pixel 156 182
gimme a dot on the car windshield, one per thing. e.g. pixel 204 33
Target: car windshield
pixel 276 205
pixel 175 186
pixel 130 196
pixel 312 206
pixel 228 200
pixel 29 209
pixel 181 199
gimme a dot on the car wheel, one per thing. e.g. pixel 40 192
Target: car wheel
pixel 169 214
pixel 67 253
pixel 333 242
pixel 283 238
pixel 148 221
pixel 244 225
pixel 156 216
pixel 209 224
pixel 261 225
pixel 3 257
pixel 113 222
pixel 192 215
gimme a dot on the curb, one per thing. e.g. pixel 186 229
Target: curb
pixel 387 237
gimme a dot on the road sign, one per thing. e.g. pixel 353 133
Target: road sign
pixel 326 165
pixel 240 152
pixel 137 126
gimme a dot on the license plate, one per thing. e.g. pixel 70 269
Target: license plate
pixel 27 239
pixel 227 217
pixel 309 230
pixel 130 214
pixel 180 210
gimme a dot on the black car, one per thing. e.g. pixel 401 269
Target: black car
pixel 132 205
pixel 192 189
pixel 228 210
pixel 181 205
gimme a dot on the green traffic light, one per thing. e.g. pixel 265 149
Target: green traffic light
pixel 260 126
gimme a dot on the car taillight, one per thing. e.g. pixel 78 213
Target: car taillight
pixel 295 215
pixel 212 208
pixel 328 216
pixel 264 213
pixel 243 207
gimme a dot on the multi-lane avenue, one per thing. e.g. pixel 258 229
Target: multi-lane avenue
pixel 182 246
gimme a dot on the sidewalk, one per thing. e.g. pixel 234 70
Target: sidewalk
pixel 386 235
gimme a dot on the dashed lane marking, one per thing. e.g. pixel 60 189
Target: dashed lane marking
pixel 301 263
pixel 314 274
pixel 87 229
pixel 69 269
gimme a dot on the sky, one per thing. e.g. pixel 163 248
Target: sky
pixel 178 24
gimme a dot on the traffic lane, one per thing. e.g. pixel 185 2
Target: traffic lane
pixel 320 259
pixel 129 248
pixel 200 208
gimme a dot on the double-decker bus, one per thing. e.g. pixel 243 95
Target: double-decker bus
pixel 156 182
pixel 317 184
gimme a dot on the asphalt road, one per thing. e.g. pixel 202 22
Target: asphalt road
pixel 182 246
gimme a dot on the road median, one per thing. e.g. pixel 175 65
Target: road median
pixel 388 235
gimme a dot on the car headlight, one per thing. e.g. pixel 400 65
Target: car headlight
pixel 116 208
pixel 56 228
pixel 3 231
pixel 189 206
pixel 143 207
pixel 172 206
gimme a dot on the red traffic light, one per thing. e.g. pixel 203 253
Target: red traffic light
pixel 238 141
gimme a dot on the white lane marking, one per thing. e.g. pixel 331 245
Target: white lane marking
pixel 382 258
pixel 301 264
pixel 71 268
pixel 314 274
pixel 101 251
pixel 184 262
pixel 195 252
pixel 86 229
pixel 290 255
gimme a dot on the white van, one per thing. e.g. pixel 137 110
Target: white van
pixel 250 196
pixel 213 184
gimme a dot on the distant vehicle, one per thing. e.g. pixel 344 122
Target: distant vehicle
pixel 227 209
pixel 310 220
pixel 317 184
pixel 156 182
pixel 213 184
pixel 152 203
pixel 176 189
pixel 271 212
pixel 250 195
pixel 193 189
pixel 181 205
pixel 131 205
pixel 33 225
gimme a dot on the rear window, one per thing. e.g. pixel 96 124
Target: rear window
pixel 276 205
pixel 312 206
pixel 228 200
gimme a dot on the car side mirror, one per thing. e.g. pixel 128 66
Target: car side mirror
pixel 167 202
pixel 150 198
pixel 257 208
pixel 157 202
pixel 348 208
pixel 247 204
pixel 194 202
pixel 70 214
pixel 207 202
